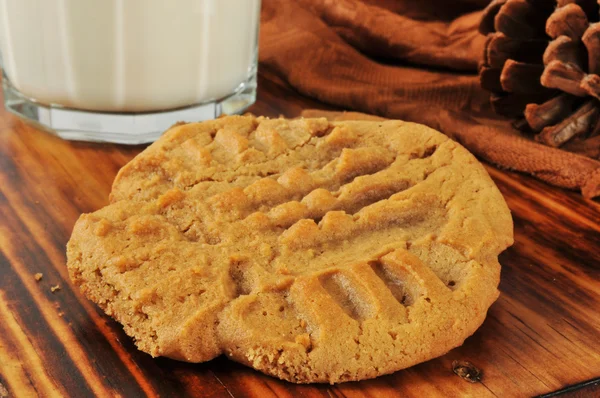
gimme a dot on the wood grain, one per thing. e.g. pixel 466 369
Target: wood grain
pixel 541 336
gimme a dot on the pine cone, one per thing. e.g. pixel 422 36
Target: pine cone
pixel 542 64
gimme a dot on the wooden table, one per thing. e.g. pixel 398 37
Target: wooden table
pixel 542 335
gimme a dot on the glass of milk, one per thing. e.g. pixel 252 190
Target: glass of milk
pixel 126 70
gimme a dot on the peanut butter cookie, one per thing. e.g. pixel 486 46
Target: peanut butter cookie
pixel 308 250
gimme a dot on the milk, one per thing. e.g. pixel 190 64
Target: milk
pixel 128 55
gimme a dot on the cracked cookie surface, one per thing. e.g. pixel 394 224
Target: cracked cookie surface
pixel 311 251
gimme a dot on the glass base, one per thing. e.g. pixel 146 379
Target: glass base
pixel 122 128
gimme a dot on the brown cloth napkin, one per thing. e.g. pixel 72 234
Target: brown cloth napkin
pixel 411 60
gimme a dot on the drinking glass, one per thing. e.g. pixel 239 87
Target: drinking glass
pixel 125 70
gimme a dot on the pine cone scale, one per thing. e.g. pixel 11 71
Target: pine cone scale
pixel 569 20
pixel 591 84
pixel 564 49
pixel 591 40
pixel 589 7
pixel 500 48
pixel 520 19
pixel 580 122
pixel 565 77
pixel 522 78
pixel 550 112
pixel 489 14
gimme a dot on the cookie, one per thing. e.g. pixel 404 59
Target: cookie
pixel 308 250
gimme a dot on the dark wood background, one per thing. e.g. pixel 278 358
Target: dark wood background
pixel 542 335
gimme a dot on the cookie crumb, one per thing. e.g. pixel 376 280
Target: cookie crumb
pixel 55 288
pixel 467 371
pixel 38 277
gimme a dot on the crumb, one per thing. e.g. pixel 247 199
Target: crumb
pixel 467 371
pixel 55 288
pixel 38 277
pixel 60 314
